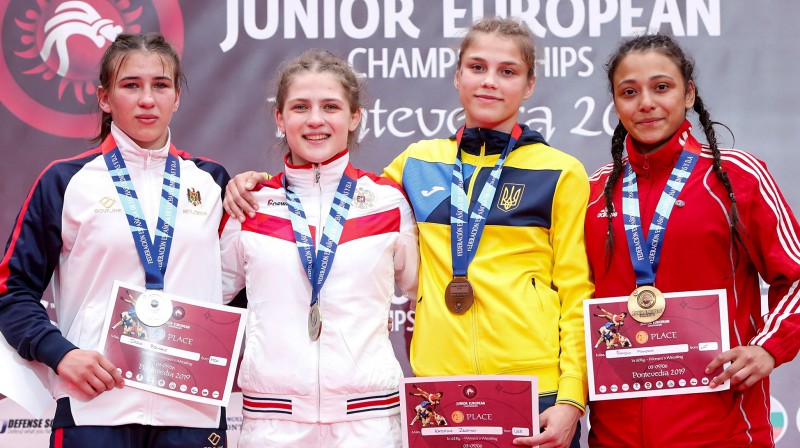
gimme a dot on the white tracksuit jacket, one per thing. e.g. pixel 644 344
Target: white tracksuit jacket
pixel 351 372
pixel 72 229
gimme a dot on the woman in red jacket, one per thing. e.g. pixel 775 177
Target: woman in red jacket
pixel 728 224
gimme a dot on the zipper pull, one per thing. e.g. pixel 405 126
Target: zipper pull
pixel 646 167
pixel 316 173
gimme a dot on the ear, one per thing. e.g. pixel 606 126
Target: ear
pixel 529 87
pixel 457 79
pixel 355 119
pixel 177 99
pixel 102 99
pixel 691 93
pixel 279 121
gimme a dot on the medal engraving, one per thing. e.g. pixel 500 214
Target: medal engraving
pixel 153 308
pixel 314 322
pixel 646 304
pixel 459 295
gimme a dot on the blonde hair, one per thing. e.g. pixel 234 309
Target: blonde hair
pixel 320 61
pixel 506 27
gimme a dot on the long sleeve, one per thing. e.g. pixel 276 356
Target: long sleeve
pixel 233 275
pixel 406 253
pixel 572 280
pixel 770 232
pixel 31 257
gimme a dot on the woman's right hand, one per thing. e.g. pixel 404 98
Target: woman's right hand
pixel 89 372
pixel 238 199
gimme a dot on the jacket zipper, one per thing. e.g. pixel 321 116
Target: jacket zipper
pixel 317 238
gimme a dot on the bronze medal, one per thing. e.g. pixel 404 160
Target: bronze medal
pixel 314 322
pixel 459 295
pixel 646 304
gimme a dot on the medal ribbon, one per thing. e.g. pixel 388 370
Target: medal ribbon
pixel 318 265
pixel 646 268
pixel 153 254
pixel 463 247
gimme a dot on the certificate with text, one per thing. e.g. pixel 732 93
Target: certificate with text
pixel 475 410
pixel 192 355
pixel 626 358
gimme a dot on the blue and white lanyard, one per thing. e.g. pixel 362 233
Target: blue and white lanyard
pixel 646 265
pixel 318 264
pixel 153 254
pixel 463 248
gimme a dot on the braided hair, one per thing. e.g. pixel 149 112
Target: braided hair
pixel 668 47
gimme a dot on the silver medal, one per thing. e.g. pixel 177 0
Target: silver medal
pixel 314 322
pixel 153 308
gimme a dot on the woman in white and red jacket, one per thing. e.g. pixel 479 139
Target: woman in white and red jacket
pixel 729 224
pixel 319 261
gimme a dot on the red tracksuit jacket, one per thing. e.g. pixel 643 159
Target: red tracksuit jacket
pixel 698 254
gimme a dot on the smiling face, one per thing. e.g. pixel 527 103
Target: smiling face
pixel 651 97
pixel 492 82
pixel 141 98
pixel 316 117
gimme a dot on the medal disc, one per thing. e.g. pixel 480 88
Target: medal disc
pixel 153 308
pixel 314 322
pixel 459 295
pixel 646 304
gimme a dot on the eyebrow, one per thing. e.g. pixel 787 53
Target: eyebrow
pixel 654 77
pixel 133 77
pixel 481 59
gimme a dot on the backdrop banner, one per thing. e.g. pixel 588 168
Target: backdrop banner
pixel 406 52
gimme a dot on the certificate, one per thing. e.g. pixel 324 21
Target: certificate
pixel 192 355
pixel 626 358
pixel 475 410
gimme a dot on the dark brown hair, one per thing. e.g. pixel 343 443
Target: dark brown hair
pixel 115 55
pixel 668 47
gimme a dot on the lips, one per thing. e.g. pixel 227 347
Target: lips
pixel 649 121
pixel 147 118
pixel 317 137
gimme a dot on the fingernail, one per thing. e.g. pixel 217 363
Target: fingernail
pixel 249 185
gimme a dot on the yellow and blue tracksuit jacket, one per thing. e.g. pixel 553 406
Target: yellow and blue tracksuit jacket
pixel 530 273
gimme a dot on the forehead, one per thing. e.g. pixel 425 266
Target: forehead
pixel 314 85
pixel 643 65
pixel 495 47
pixel 144 64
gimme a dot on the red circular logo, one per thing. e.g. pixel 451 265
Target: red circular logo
pixel 51 51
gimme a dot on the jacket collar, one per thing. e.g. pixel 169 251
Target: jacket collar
pixel 665 158
pixel 136 156
pixel 304 177
pixel 474 138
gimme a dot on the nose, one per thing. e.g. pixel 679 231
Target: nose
pixel 647 102
pixel 146 99
pixel 315 117
pixel 489 80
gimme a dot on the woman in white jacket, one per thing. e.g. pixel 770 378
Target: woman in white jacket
pixel 320 261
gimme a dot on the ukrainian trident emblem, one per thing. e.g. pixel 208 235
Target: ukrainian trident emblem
pixel 510 196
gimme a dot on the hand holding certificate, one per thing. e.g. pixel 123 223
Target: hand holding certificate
pixel 668 355
pixel 188 351
pixel 455 411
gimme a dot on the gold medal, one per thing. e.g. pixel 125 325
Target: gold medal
pixel 314 322
pixel 646 304
pixel 459 295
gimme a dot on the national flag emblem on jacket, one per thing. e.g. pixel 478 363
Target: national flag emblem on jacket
pixel 510 196
pixel 193 196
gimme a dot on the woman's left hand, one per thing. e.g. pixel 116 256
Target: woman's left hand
pixel 558 423
pixel 749 365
